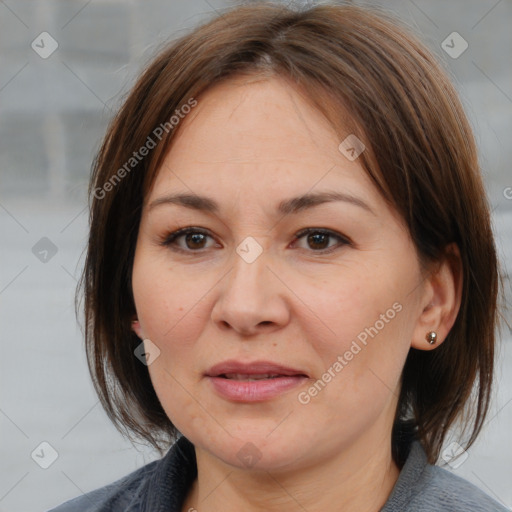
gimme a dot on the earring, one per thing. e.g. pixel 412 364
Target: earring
pixel 431 337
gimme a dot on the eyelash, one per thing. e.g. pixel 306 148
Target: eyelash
pixel 170 239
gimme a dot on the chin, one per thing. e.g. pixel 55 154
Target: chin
pixel 255 450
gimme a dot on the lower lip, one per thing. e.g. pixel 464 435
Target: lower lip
pixel 255 390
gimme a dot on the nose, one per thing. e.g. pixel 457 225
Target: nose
pixel 251 298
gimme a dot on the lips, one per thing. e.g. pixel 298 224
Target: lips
pixel 244 376
pixel 253 382
pixel 257 370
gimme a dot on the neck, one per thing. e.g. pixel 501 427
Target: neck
pixel 360 478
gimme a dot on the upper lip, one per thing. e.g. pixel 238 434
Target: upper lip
pixel 254 368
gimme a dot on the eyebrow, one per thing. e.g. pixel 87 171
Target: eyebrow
pixel 285 207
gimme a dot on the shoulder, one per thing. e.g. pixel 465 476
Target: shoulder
pixel 159 485
pixel 123 495
pixel 427 488
pixel 446 491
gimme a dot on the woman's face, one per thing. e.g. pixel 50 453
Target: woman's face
pixel 334 309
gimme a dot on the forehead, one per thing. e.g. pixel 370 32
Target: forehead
pixel 259 118
pixel 258 136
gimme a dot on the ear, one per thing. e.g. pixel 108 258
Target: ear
pixel 441 300
pixel 136 327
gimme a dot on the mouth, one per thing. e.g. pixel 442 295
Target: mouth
pixel 253 382
pixel 246 377
pixel 256 370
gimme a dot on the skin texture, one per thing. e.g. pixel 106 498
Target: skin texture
pixel 249 144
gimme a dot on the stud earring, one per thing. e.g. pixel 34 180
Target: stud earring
pixel 431 337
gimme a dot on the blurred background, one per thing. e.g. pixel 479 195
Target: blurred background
pixel 64 65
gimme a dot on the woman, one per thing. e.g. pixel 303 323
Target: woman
pixel 291 271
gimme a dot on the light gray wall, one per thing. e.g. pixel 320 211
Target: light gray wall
pixel 53 112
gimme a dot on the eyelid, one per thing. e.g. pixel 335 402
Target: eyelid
pixel 325 231
pixel 170 238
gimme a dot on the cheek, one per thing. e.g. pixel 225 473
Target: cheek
pixel 169 311
pixel 343 304
pixel 180 399
pixel 167 304
pixel 368 326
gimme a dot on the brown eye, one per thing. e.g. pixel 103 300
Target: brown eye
pixel 318 239
pixel 194 240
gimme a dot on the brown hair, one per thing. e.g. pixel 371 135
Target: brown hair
pixel 369 76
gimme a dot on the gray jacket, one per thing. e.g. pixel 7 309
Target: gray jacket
pixel 162 485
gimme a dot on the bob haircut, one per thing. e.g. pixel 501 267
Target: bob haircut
pixel 368 76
